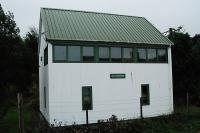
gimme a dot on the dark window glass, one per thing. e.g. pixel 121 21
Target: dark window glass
pixel 127 54
pixel 162 55
pixel 145 94
pixel 87 98
pixel 116 54
pixel 88 54
pixel 46 56
pixel 151 55
pixel 60 53
pixel 74 53
pixel 104 54
pixel 141 55
pixel 45 97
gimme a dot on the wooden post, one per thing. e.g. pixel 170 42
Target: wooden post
pixel 187 105
pixel 20 101
pixel 86 116
pixel 141 111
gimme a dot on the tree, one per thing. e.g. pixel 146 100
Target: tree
pixel 185 66
pixel 14 76
pixel 31 42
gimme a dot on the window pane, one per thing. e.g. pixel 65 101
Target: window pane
pixel 45 56
pixel 151 55
pixel 162 55
pixel 141 55
pixel 145 94
pixel 88 54
pixel 103 54
pixel 60 53
pixel 128 54
pixel 87 98
pixel 116 54
pixel 74 53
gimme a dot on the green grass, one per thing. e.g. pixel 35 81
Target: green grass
pixel 9 123
pixel 177 123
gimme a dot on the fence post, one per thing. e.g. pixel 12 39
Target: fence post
pixel 20 104
pixel 187 105
pixel 141 111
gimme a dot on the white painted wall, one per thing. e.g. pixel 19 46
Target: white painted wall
pixel 119 97
pixel 43 79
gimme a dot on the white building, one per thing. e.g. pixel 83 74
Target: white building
pixel 103 62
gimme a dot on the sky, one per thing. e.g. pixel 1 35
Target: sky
pixel 163 14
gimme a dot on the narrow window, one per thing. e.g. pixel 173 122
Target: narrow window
pixel 116 54
pixel 45 97
pixel 104 54
pixel 127 54
pixel 88 54
pixel 45 56
pixel 151 55
pixel 60 53
pixel 162 55
pixel 141 55
pixel 87 98
pixel 74 53
pixel 145 94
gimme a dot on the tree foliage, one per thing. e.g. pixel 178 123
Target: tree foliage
pixel 186 64
pixel 18 60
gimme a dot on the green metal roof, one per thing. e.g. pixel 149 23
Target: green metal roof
pixel 69 25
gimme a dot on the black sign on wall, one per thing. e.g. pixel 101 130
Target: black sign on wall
pixel 117 76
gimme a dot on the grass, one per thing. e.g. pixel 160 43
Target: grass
pixel 9 123
pixel 177 123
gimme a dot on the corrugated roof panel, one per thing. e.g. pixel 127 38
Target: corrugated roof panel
pixel 91 26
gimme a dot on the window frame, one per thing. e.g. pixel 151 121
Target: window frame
pixel 98 57
pixel 151 61
pixel 145 60
pixel 66 54
pixel 133 55
pixel 148 94
pixel 46 56
pixel 166 50
pixel 45 102
pixel 90 95
pixel 96 53
pixel 82 61
pixel 121 61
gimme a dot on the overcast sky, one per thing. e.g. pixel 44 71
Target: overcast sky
pixel 161 13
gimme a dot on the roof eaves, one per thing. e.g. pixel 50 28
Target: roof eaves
pixel 82 40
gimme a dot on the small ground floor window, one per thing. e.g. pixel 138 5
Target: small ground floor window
pixel 145 94
pixel 87 98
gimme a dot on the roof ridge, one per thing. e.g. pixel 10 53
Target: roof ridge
pixel 71 10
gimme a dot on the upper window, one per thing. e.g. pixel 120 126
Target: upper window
pixel 162 55
pixel 69 53
pixel 116 54
pixel 104 54
pixel 127 54
pixel 46 56
pixel 141 55
pixel 88 54
pixel 60 53
pixel 74 53
pixel 151 55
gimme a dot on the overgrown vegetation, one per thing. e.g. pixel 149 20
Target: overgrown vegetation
pixel 179 122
